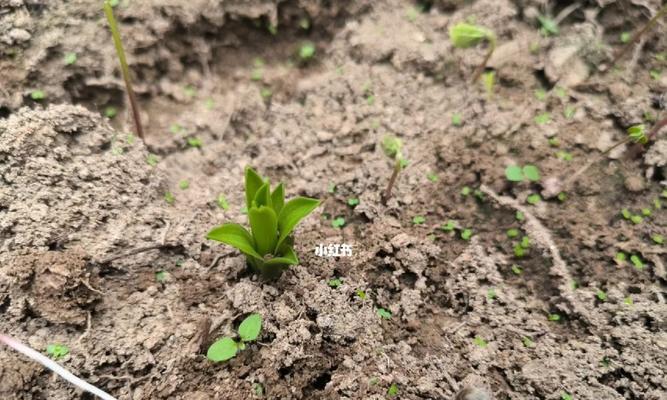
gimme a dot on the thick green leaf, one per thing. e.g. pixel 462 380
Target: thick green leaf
pixel 278 198
pixel 252 183
pixel 466 35
pixel 531 172
pixel 263 196
pixel 264 224
pixel 250 327
pixel 514 173
pixel 222 350
pixel 288 258
pixel 234 235
pixel 292 213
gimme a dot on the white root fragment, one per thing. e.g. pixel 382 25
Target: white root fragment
pixel 54 366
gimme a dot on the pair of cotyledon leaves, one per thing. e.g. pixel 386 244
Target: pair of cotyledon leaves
pixel 271 223
pixel 226 348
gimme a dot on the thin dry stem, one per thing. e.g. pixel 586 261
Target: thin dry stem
pixel 649 25
pixel 387 193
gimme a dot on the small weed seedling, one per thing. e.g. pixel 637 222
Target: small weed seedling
pixel 57 351
pixel 306 52
pixel 515 173
pixel 418 220
pixel 38 95
pixel 226 348
pixel 70 58
pixel 384 314
pixel 125 70
pixel 393 390
pixel 338 222
pixel 392 148
pixel 221 201
pixel 268 249
pixel 335 283
pixel 465 35
pixel 630 42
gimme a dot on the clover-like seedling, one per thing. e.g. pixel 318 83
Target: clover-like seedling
pixel 268 247
pixel 57 351
pixel 464 35
pixel 306 52
pixel 392 148
pixel 226 348
pixel 515 173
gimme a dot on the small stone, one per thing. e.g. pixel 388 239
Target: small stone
pixel 19 35
pixel 635 183
pixel 471 393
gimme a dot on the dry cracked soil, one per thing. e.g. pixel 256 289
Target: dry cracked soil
pixel 102 235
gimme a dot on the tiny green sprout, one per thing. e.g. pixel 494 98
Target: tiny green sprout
pixel 512 233
pixel 554 141
pixel 304 23
pixel 457 119
pixel 361 294
pixel 655 74
pixel 569 112
pixel 637 262
pixel 646 212
pixel 353 202
pixel 70 58
pixel 601 295
pixel 418 220
pixel 335 283
pixel 531 173
pixel 489 80
pixel 130 139
pixel 151 159
pixel 338 222
pixel 480 342
pixel 393 390
pixel 464 35
pixel 190 91
pixel 257 74
pixel 527 342
pixel 194 142
pixel 306 51
pixel 266 93
pixel 465 191
pixel 636 219
pixel 412 13
pixel 479 195
pixel 513 173
pixel 562 196
pixel 273 29
pixel 384 314
pixel 268 246
pixel 628 301
pixel 392 148
pixel 169 198
pixel 658 238
pixel 450 226
pixel 543 118
pixel 625 37
pixel 114 3
pixel 517 270
pixel 184 184
pixel 519 251
pixel 560 91
pixel 605 362
pixel 574 285
pixel 244 210
pixel 519 216
pixel 491 294
pixel 657 204
pixel 553 317
pixel 331 188
pixel 161 276
pixel 525 242
pixel 110 112
pixel 540 94
pixel 533 199
pixel 620 257
pixel 432 177
pixel 564 155
pixel 466 234
pixel 226 348
pixel 38 95
pixel 637 134
pixel 626 213
pixel 566 396
pixel 221 201
pixel 373 381
pixel 209 104
pixel 176 128
pixel 548 25
pixel 258 389
pixel 57 351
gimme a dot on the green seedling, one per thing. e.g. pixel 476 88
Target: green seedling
pixel 533 199
pixel 527 342
pixel 519 216
pixel 335 283
pixel 110 112
pixel 625 37
pixel 480 342
pixel 564 155
pixel 515 173
pixel 38 95
pixel 258 389
pixel 392 148
pixel 194 142
pixel 512 233
pixel 221 201
pixel 190 91
pixel 361 294
pixel 353 202
pixel 466 234
pixel 517 270
pixel 338 222
pixel 620 258
pixel 125 70
pixel 457 119
pixel 418 220
pixel 548 25
pixel 569 112
pixel 306 52
pixel 161 276
pixel 176 128
pixel 562 196
pixel 226 348
pixel 169 198
pixel 268 249
pixel 637 262
pixel 540 94
pixel 432 177
pixel 601 295
pixel 628 301
pixel 543 118
pixel 464 35
pixel 566 396
pixel 554 317
pixel 658 238
pixel 450 226
pixel 491 294
pixel 655 74
pixel 184 184
pixel 57 351
pixel 489 80
pixel 465 191
pixel 70 58
pixel 384 314
pixel 649 25
pixel 331 188
pixel 393 390
pixel 151 159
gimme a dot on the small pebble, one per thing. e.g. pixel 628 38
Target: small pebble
pixel 635 183
pixel 471 393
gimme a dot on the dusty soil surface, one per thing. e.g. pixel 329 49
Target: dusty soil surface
pixel 221 87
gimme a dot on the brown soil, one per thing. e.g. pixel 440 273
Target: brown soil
pixel 77 198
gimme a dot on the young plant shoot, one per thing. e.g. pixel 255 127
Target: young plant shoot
pixel 268 247
pixel 125 70
pixel 464 35
pixel 392 148
pixel 226 348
